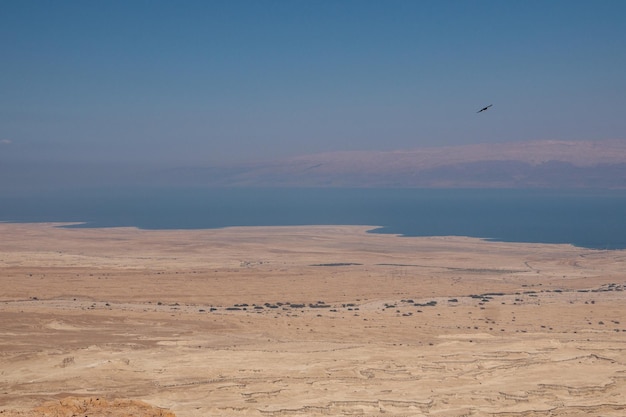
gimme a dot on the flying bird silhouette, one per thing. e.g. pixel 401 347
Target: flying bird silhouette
pixel 484 108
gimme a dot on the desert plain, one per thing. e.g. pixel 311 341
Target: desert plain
pixel 306 321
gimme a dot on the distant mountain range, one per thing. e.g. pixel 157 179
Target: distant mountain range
pixel 538 164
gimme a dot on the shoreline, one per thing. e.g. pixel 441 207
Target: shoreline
pixel 369 229
pixel 582 218
pixel 267 321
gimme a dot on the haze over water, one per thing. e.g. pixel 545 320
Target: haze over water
pixel 593 219
pixel 95 94
pixel 93 87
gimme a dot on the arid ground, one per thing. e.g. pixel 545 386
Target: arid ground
pixel 306 321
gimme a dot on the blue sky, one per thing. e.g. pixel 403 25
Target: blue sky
pixel 188 82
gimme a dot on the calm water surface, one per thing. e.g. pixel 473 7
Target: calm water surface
pixel 595 219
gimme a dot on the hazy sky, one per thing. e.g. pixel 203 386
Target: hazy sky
pixel 207 81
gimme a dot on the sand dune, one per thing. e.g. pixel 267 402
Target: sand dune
pixel 306 321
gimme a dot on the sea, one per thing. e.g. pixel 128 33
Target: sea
pixel 586 218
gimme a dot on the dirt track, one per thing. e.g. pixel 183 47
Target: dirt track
pixel 309 321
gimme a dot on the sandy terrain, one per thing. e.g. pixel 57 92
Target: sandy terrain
pixel 306 321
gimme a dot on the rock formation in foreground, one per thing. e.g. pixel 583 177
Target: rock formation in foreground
pixel 91 407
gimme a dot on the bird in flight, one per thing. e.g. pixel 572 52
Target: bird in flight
pixel 484 108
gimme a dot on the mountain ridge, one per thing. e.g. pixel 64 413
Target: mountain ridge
pixel 553 163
